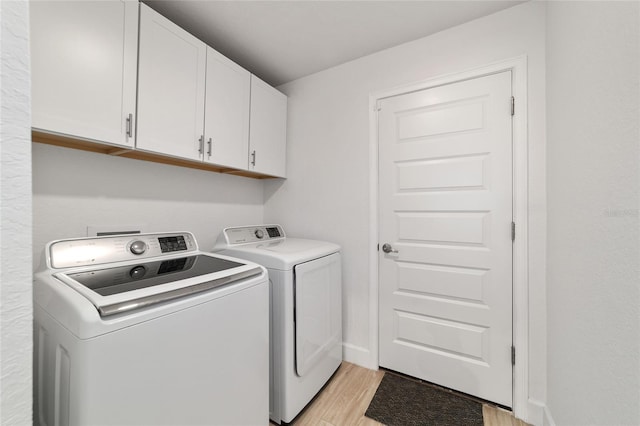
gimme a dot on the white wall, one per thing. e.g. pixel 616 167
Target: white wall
pixel 74 189
pixel 326 195
pixel 593 106
pixel 15 216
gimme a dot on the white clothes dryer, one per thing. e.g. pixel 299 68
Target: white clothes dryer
pixel 306 311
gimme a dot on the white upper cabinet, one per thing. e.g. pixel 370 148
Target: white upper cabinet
pixel 268 129
pixel 171 88
pixel 83 66
pixel 226 122
pixel 119 73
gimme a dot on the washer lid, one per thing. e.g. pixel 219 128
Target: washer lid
pixel 282 254
pixel 119 288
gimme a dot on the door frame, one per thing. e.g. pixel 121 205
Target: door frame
pixel 518 67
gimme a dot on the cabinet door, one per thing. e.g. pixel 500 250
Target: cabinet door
pixel 83 67
pixel 268 129
pixel 171 79
pixel 226 123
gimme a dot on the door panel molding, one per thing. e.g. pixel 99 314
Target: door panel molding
pixel 518 66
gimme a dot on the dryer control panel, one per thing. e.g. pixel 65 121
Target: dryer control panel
pixel 253 234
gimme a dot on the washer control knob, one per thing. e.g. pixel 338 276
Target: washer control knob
pixel 259 233
pixel 137 272
pixel 138 247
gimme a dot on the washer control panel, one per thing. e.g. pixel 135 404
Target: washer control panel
pixel 253 234
pixel 117 248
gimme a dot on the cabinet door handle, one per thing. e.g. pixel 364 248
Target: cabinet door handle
pixel 130 125
pixel 209 150
pixel 201 144
pixel 253 158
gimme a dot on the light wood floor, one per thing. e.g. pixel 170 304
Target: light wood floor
pixel 346 397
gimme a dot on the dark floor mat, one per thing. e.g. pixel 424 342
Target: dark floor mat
pixel 402 401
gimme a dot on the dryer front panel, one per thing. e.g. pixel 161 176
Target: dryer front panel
pixel 318 311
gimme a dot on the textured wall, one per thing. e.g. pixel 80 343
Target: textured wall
pixel 15 217
pixel 327 193
pixel 593 94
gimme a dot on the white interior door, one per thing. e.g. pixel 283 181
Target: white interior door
pixel 445 182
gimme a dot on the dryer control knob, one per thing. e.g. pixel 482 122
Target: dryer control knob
pixel 259 233
pixel 138 247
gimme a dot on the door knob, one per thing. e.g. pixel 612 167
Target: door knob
pixel 387 248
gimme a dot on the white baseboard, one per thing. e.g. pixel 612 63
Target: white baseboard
pixel 358 355
pixel 538 414
pixel 548 419
pixel 535 413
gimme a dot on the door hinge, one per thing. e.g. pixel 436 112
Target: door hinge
pixel 378 248
pixel 513 106
pixel 513 231
pixel 513 355
pixel 377 107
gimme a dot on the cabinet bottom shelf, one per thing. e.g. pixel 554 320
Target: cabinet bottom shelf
pixel 85 145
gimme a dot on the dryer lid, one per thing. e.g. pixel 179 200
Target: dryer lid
pixel 282 254
pixel 269 246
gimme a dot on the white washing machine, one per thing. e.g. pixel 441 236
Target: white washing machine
pixel 148 330
pixel 306 311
